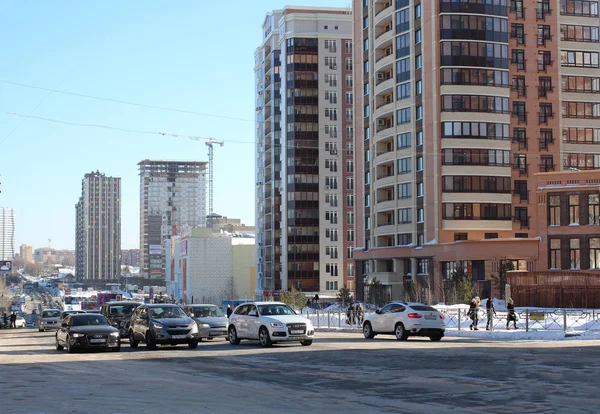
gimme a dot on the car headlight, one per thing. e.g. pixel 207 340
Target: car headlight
pixel 204 326
pixel 276 324
pixel 77 335
pixel 114 334
pixel 157 325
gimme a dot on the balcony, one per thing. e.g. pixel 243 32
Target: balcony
pixel 542 66
pixel 519 36
pixel 545 143
pixel 543 90
pixel 521 116
pixel 546 167
pixel 521 140
pixel 384 14
pixel 521 88
pixel 544 117
pixel 543 38
pixel 542 10
pixel 519 10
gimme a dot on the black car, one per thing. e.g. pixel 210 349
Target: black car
pixel 119 314
pixel 87 331
pixel 162 324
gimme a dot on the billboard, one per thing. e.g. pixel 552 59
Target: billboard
pixel 155 247
pixel 183 248
pixel 5 266
pixel 155 252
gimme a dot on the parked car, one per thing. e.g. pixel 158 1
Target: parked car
pixel 20 322
pixel 405 319
pixel 87 331
pixel 119 314
pixel 49 320
pixel 64 314
pixel 162 324
pixel 269 322
pixel 212 323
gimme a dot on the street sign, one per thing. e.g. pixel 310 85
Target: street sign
pixel 5 266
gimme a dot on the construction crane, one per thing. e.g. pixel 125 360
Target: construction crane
pixel 209 143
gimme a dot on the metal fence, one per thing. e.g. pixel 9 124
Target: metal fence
pixel 458 319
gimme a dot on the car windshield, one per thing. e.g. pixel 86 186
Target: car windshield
pixel 167 312
pixel 207 312
pixel 423 308
pixel 268 310
pixel 51 314
pixel 87 320
pixel 122 310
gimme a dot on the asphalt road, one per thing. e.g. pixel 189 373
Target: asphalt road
pixel 341 372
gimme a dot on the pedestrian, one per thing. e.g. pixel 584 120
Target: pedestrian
pixel 359 314
pixel 308 303
pixel 229 311
pixel 491 312
pixel 512 316
pixel 350 314
pixel 13 320
pixel 5 320
pixel 473 313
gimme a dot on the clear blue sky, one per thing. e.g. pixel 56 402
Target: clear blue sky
pixel 193 55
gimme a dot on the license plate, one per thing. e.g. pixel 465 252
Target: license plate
pixel 431 317
pixel 178 336
pixel 217 333
pixel 296 332
pixel 97 341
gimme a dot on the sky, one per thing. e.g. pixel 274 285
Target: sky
pixel 193 56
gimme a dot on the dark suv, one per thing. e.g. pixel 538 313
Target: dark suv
pixel 119 314
pixel 162 324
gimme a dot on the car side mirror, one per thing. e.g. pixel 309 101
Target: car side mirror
pixel 253 313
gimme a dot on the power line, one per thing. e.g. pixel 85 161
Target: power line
pixel 123 102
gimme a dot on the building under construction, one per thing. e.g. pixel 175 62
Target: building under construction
pixel 172 197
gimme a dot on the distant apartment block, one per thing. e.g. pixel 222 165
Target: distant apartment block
pixel 7 233
pixel 172 198
pixel 304 151
pixel 47 255
pixel 26 253
pixel 98 228
pixel 130 257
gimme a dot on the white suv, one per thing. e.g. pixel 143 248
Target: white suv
pixel 269 322
pixel 405 319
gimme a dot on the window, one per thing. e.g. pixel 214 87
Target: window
pixel 544 59
pixel 403 116
pixel 475 184
pixel 367 111
pixel 417 11
pixel 367 177
pixel 479 77
pixel 579 33
pixel 418 62
pixel 476 211
pixel 419 138
pixel 349 98
pixel 517 31
pixel 519 111
pixel 461 236
pixel 521 190
pixel 575 253
pixel 350 235
pixel 573 209
pixel 366 66
pixel 518 58
pixel 582 161
pixel 490 235
pixel 477 130
pixel 544 86
pixel 348 66
pixel 420 189
pixel 420 215
pixel 367 200
pixel 404 190
pixel 554 216
pixel 419 112
pixel 555 254
pixel 417 36
pixel 579 8
pixel 423 266
pixel 580 84
pixel 404 166
pixel 403 45
pixel 402 21
pixel 581 110
pixel 419 87
pixel 594 253
pixel 543 34
pixel 366 45
pixel 366 88
pixel 546 113
pixel 403 70
pixel 594 209
pixel 403 91
pixel 474 103
pixel 522 217
pixel 521 235
pixel 520 163
pixel 547 163
pixel 419 163
pixel 518 84
pixel 487 157
pixel 404 140
pixel 404 216
pixel 579 59
pixel 366 22
pixel 404 239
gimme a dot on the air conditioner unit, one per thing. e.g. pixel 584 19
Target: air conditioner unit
pixel 260 274
pixel 260 259
pixel 380 76
pixel 381 122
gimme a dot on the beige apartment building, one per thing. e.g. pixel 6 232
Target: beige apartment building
pixel 465 107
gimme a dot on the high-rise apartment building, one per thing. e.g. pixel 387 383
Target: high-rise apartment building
pixel 98 228
pixel 7 233
pixel 26 253
pixel 172 197
pixel 304 151
pixel 463 105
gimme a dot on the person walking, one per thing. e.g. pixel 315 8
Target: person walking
pixel 512 316
pixel 360 314
pixel 491 312
pixel 350 314
pixel 229 311
pixel 473 313
pixel 13 320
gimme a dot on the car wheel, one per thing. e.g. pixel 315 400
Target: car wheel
pixel 233 338
pixel 435 338
pixel 132 342
pixel 307 342
pixel 368 331
pixel 400 332
pixel 40 330
pixel 59 347
pixel 150 344
pixel 193 344
pixel 70 348
pixel 264 338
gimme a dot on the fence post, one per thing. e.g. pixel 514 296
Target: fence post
pixel 459 320
pixel 318 319
pixel 340 320
pixel 491 321
pixel 329 319
pixel 527 320
pixel 565 320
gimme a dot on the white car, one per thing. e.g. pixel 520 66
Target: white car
pixel 405 319
pixel 269 322
pixel 20 322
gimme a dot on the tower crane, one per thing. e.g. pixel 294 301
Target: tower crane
pixel 209 143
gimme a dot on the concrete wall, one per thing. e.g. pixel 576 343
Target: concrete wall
pixel 209 269
pixel 243 271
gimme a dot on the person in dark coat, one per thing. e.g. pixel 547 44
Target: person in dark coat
pixel 229 311
pixel 473 313
pixel 512 316
pixel 491 312
pixel 350 314
pixel 13 320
